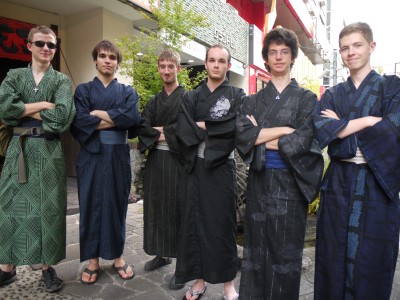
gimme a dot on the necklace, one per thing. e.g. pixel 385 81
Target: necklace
pixel 35 89
pixel 278 95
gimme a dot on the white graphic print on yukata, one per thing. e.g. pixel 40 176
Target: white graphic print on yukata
pixel 220 108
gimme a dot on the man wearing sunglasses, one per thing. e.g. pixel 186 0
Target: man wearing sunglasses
pixel 37 102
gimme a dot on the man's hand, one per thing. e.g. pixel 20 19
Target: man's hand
pixel 48 105
pixel 373 120
pixel 103 115
pixel 329 114
pixel 252 119
pixel 161 138
pixel 202 125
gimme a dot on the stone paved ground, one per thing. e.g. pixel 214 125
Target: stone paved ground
pixel 146 285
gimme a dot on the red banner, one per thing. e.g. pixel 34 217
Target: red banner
pixel 13 39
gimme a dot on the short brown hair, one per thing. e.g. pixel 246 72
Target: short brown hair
pixel 107 45
pixel 170 55
pixel 357 27
pixel 40 29
pixel 220 47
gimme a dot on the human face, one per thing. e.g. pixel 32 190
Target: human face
pixel 42 54
pixel 355 51
pixel 217 64
pixel 106 62
pixel 279 59
pixel 168 71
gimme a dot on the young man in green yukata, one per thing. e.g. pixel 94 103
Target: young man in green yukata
pixel 37 102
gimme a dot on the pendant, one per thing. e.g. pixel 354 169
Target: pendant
pixel 277 97
pixel 35 89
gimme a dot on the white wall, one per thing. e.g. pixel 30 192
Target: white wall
pixel 84 31
pixel 79 34
pixel 240 81
pixel 114 27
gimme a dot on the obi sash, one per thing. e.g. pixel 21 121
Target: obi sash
pixel 273 160
pixel 112 137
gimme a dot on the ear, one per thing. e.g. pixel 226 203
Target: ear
pixel 372 47
pixel 229 66
pixel 29 46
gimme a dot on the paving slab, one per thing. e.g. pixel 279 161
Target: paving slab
pixel 145 285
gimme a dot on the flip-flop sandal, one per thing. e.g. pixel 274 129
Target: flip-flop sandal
pixel 236 297
pixel 124 268
pixel 91 273
pixel 196 293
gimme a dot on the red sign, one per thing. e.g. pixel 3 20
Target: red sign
pixel 13 39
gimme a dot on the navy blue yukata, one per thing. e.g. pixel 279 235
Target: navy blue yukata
pixel 103 166
pixel 358 221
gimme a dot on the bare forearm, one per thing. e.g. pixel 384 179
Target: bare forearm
pixel 36 116
pixel 104 125
pixel 33 109
pixel 357 125
pixel 103 115
pixel 272 145
pixel 269 134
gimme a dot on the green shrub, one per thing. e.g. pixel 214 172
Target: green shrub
pixel 314 206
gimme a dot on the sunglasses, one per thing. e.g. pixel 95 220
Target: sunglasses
pixel 41 44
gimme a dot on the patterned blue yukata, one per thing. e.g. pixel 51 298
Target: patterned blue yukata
pixel 358 221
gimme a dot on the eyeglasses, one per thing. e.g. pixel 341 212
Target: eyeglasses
pixel 41 44
pixel 274 53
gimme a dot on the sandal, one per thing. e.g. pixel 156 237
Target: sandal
pixel 124 268
pixel 236 297
pixel 91 273
pixel 196 293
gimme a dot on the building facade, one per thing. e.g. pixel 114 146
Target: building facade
pixel 238 24
pixel 309 19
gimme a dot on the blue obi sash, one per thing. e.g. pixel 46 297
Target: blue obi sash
pixel 273 160
pixel 28 122
pixel 112 137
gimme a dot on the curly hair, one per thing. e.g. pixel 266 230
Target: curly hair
pixel 280 36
